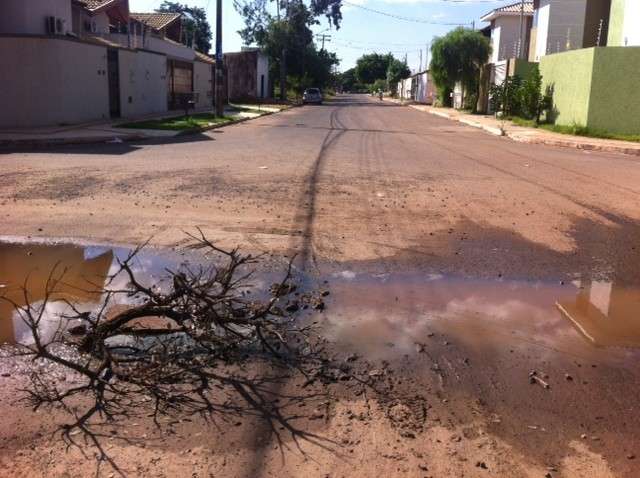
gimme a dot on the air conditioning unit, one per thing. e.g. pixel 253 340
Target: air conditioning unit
pixel 54 25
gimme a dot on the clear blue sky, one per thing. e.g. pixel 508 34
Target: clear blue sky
pixel 364 31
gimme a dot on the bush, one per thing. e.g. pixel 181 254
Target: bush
pixel 515 97
pixel 378 85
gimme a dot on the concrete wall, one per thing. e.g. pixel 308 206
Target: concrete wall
pixel 242 81
pixel 29 16
pixel 171 49
pixel 616 23
pixel 143 83
pixel 424 88
pixel 263 71
pixel 596 87
pixel 203 84
pixel 624 29
pixel 570 74
pixel 597 12
pixel 52 81
pixel 615 90
pixel 509 37
pixel 560 26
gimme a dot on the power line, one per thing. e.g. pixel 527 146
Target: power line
pixel 406 19
pixel 348 40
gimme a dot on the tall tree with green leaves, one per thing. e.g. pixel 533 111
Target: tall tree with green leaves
pixel 194 24
pixel 305 65
pixel 397 70
pixel 458 57
pixel 372 67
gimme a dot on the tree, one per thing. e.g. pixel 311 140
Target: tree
pixel 194 23
pixel 201 341
pixel 372 67
pixel 305 65
pixel 458 57
pixel 398 70
pixel 348 80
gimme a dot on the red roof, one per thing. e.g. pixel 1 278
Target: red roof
pixel 509 10
pixel 157 20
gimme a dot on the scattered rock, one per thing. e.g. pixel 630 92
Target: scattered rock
pixel 293 306
pixel 482 464
pixel 78 330
pixel 534 378
pixel 631 456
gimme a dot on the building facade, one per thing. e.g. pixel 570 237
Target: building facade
pixel 509 30
pixel 75 61
pixel 247 74
pixel 565 25
pixel 594 80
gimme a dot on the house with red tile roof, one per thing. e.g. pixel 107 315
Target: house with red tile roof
pixel 75 61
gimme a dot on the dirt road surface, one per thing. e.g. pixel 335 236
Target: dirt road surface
pixel 510 249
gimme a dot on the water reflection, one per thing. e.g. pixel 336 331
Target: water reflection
pixel 384 316
pixel 85 272
pixel 378 315
pixel 32 264
pixel 605 314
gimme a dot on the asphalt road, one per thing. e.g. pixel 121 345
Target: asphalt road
pixel 363 185
pixel 354 180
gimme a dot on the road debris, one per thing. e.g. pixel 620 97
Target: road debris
pixel 534 378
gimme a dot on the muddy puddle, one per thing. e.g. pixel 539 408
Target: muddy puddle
pixel 380 316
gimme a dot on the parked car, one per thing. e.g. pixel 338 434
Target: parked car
pixel 312 95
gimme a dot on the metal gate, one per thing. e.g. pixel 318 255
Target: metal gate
pixel 113 73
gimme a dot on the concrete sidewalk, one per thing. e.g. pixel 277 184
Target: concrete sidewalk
pixel 103 132
pixel 532 135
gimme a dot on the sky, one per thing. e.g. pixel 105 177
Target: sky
pixel 363 31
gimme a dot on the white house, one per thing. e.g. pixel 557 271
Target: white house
pixel 418 87
pixel 510 27
pixel 74 61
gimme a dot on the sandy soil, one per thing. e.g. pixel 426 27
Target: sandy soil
pixel 367 187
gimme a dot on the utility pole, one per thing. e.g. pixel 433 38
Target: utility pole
pixel 219 62
pixel 520 47
pixel 324 37
pixel 426 61
pixel 283 62
pixel 420 68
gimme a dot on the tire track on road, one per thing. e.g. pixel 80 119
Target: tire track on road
pixel 307 202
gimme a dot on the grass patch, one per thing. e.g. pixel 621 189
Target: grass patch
pixel 257 107
pixel 527 123
pixel 179 123
pixel 578 130
pixel 575 130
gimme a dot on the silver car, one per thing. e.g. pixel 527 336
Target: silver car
pixel 312 95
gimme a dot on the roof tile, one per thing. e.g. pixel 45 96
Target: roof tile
pixel 157 20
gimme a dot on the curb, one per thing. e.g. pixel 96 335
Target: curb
pixel 475 124
pixel 576 145
pixel 529 140
pixel 188 132
pixel 9 144
pixel 42 143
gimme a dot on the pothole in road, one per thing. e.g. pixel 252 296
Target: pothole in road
pixel 375 315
